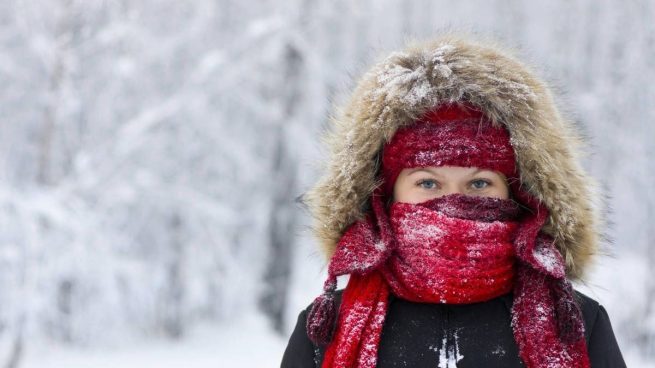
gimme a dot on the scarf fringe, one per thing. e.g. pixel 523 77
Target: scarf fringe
pixel 321 320
pixel 567 312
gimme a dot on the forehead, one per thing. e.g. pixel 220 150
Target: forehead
pixel 448 170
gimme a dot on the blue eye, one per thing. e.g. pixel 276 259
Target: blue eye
pixel 427 184
pixel 485 182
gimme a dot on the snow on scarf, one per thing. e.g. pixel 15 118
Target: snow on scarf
pixel 452 249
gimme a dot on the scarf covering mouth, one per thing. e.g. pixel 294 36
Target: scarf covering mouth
pixel 424 252
pixel 454 249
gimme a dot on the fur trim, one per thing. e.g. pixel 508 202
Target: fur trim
pixel 406 84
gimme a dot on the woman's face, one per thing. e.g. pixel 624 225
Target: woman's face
pixel 420 184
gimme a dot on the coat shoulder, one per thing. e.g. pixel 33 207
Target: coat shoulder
pixel 301 351
pixel 589 308
pixel 603 348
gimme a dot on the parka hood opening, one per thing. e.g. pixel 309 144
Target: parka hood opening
pixel 402 87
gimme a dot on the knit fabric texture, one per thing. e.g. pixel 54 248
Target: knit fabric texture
pixel 455 135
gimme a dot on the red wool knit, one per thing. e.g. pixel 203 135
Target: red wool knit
pixel 445 259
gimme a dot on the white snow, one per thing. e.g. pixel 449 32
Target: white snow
pixel 449 353
pixel 545 258
pixel 245 342
pixel 394 79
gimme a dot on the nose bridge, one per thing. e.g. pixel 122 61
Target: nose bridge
pixel 452 188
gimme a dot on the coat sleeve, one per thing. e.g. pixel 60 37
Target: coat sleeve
pixel 603 349
pixel 300 350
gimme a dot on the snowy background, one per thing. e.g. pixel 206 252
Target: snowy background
pixel 152 153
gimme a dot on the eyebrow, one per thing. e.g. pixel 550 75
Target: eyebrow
pixel 419 169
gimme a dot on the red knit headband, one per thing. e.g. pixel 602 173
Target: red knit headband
pixel 451 135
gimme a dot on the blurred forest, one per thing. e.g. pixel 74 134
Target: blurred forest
pixel 153 152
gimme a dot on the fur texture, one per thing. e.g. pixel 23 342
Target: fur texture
pixel 451 68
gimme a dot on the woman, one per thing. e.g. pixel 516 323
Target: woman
pixel 455 201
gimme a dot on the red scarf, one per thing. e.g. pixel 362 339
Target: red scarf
pixel 453 249
pixel 444 259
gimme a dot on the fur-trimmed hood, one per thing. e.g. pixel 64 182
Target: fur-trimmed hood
pixel 403 86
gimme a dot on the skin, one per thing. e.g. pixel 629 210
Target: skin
pixel 419 184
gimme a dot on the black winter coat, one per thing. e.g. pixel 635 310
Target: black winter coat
pixel 414 333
